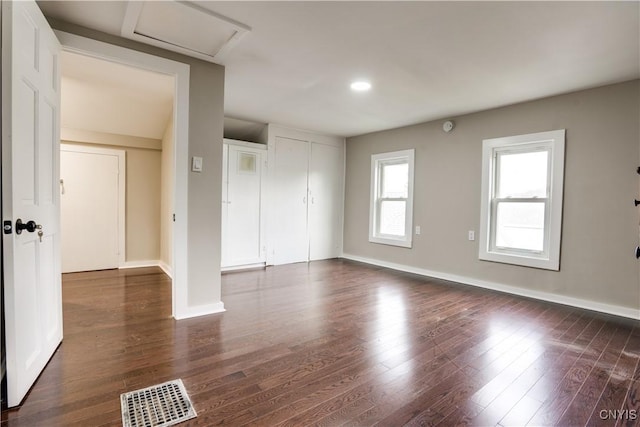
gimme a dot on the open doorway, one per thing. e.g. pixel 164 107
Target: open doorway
pixel 116 165
pixel 179 130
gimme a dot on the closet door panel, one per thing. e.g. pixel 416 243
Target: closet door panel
pixel 290 181
pixel 326 173
pixel 223 237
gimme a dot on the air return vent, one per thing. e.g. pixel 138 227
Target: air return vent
pixel 161 405
pixel 182 27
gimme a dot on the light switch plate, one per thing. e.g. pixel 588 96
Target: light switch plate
pixel 196 164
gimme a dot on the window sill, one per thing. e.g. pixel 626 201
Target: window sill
pixel 521 260
pixel 391 242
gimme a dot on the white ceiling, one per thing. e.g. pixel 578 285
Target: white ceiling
pixel 426 60
pixel 107 97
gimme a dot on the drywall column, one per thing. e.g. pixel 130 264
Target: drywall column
pixel 206 110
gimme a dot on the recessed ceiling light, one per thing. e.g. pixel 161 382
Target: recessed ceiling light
pixel 360 86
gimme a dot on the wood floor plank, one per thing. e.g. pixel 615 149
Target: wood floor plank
pixel 333 343
pixel 562 396
pixel 583 404
pixel 615 391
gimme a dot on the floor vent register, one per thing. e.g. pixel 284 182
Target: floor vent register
pixel 161 405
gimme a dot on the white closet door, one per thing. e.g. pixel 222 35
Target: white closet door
pixel 325 209
pixel 243 231
pixel 291 241
pixel 224 261
pixel 89 210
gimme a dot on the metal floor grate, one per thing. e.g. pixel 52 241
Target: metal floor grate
pixel 161 405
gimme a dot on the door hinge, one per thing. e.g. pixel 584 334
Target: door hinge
pixel 174 217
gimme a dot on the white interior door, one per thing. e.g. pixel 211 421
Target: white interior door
pixel 291 241
pixel 92 208
pixel 243 238
pixel 30 173
pixel 326 169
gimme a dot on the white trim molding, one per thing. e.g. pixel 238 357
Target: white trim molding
pixel 201 310
pixel 149 263
pixel 140 264
pixel 548 256
pixel 616 310
pixel 378 163
pixel 166 268
pixel 255 266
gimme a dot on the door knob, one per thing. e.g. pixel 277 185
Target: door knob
pixel 30 226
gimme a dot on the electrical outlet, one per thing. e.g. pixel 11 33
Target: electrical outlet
pixel 417 229
pixel 472 235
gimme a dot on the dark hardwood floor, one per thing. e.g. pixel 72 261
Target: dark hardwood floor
pixel 337 343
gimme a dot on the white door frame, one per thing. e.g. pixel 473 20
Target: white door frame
pixel 122 180
pixel 108 52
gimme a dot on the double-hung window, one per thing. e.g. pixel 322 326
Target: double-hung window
pixel 391 209
pixel 522 184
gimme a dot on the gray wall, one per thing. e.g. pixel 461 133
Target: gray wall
pixel 206 116
pixel 600 222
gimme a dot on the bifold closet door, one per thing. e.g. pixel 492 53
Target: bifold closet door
pixel 325 198
pixel 289 227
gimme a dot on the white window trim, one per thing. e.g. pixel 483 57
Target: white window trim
pixel 406 240
pixel 549 258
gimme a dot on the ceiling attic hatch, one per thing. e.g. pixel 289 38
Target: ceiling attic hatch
pixel 182 27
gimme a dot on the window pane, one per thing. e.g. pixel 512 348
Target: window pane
pixel 395 180
pixel 520 226
pixel 392 217
pixel 522 174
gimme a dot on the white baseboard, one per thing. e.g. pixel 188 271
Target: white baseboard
pixel 243 267
pixel 200 310
pixel 139 264
pixel 149 263
pixel 544 296
pixel 166 268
